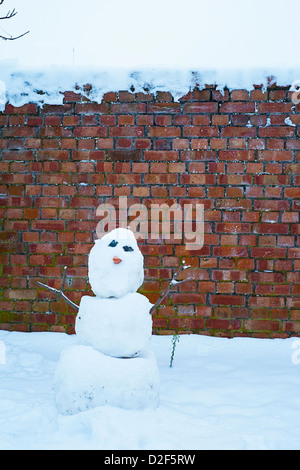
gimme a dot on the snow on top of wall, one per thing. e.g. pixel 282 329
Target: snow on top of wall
pixel 46 85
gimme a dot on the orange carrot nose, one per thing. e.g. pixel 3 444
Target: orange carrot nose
pixel 116 260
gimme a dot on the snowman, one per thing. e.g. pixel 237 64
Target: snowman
pixel 112 362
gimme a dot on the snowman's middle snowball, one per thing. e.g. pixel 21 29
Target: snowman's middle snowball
pixel 118 327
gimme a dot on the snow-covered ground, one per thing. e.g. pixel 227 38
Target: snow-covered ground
pixel 239 393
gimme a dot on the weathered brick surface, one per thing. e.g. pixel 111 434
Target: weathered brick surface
pixel 235 152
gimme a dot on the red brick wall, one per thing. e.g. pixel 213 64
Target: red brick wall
pixel 233 152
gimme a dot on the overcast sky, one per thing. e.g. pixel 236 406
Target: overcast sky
pixel 136 33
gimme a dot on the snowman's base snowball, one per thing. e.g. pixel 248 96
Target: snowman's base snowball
pixel 118 327
pixel 85 378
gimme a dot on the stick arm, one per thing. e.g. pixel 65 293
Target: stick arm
pixel 60 293
pixel 173 282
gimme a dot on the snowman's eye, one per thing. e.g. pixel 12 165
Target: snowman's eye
pixel 127 248
pixel 113 243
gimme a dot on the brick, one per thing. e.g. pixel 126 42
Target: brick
pixel 233 228
pixel 228 251
pixel 71 96
pixel 281 131
pixel 292 192
pixel 199 155
pixel 294 253
pixel 52 155
pixel 254 191
pixel 126 131
pixel 218 144
pixel 200 131
pixel 238 131
pixel 256 144
pixel 17 120
pixel 17 155
pixel 30 108
pixel 290 217
pixel 110 96
pixel 234 204
pixel 274 107
pixel 198 179
pixel 238 155
pixel 270 217
pixel 240 95
pixel 200 107
pixel 271 228
pixel 267 205
pixel 200 120
pixel 52 120
pixel 48 225
pixel 199 144
pixel 162 155
pixel 142 143
pixel 20 294
pixel 274 168
pixel 268 252
pixel 235 167
pixel 90 131
pixel 180 144
pixel 164 132
pixel 237 143
pixel 262 325
pixel 91 108
pixel 127 108
pixel 237 107
pixel 167 107
pixel 188 298
pixel 221 299
pixel 124 179
pixel 161 179
pixel 125 155
pixel 215 192
pixel 124 143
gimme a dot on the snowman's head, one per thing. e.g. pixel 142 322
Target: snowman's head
pixel 116 265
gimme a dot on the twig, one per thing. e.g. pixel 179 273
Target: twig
pixel 9 15
pixel 64 278
pixel 11 38
pixel 175 339
pixel 173 282
pixel 59 292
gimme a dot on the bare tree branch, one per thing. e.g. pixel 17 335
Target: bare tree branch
pixel 173 282
pixel 59 292
pixel 10 14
